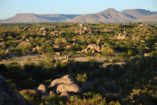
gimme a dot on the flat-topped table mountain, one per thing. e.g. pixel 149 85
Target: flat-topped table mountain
pixel 107 16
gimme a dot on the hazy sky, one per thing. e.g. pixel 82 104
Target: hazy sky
pixel 9 8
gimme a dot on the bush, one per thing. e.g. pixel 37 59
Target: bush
pixel 53 100
pixel 95 100
pixel 107 51
pixel 81 77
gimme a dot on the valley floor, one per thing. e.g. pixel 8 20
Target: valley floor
pixel 36 59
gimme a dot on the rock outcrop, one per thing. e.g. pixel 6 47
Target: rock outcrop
pixel 65 89
pixel 95 47
pixel 24 43
pixel 41 88
pixel 65 85
pixel 8 96
pixel 120 36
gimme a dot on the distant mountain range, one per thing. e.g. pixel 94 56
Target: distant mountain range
pixel 107 16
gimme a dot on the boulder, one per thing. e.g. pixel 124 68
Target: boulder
pixel 8 96
pixel 120 36
pixel 2 44
pixel 45 32
pixel 42 88
pixel 146 54
pixel 67 88
pixel 67 79
pixel 65 61
pixel 51 92
pixel 54 33
pixel 42 28
pixel 64 94
pixel 58 53
pixel 24 43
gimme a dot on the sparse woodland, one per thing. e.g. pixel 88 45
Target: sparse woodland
pixel 133 45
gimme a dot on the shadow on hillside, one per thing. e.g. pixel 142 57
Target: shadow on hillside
pixel 126 76
pixel 29 76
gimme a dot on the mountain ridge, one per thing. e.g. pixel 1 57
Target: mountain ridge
pixel 110 15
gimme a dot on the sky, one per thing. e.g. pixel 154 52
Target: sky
pixel 9 8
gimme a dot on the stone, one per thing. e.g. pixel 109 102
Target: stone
pixel 41 29
pixel 64 94
pixel 120 36
pixel 51 92
pixel 45 32
pixel 24 43
pixel 67 79
pixel 58 53
pixel 42 88
pixel 146 54
pixel 65 88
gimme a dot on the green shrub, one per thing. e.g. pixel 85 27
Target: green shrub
pixel 81 77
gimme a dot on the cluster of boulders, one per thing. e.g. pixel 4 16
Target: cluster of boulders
pixel 59 43
pixel 66 59
pixel 120 36
pixel 63 86
pixel 24 43
pixel 94 48
pixel 84 30
pixel 8 96
pixel 43 30
pixel 2 44
pixel 54 33
pixel 144 27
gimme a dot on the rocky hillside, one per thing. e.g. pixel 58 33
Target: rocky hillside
pixel 107 16
pixel 78 63
pixel 113 16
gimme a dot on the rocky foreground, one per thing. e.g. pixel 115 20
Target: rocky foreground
pixel 8 96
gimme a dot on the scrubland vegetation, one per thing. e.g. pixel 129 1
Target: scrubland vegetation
pixel 132 82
